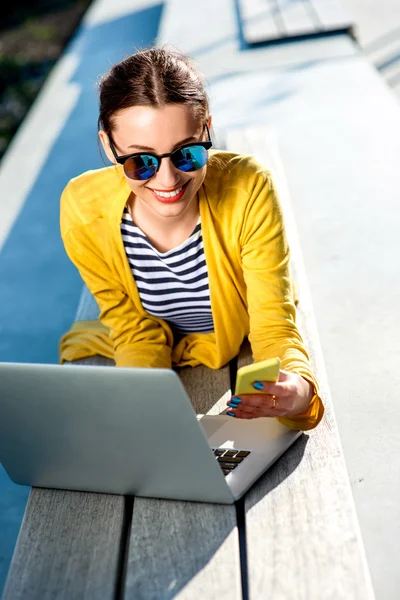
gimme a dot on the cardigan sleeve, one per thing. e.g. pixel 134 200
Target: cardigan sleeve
pixel 272 313
pixel 138 340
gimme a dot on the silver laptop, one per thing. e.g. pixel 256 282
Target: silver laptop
pixel 127 431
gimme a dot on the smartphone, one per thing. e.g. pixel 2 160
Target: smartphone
pixel 265 370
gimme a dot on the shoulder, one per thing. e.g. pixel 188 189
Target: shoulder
pixel 93 183
pixel 89 196
pixel 235 182
pixel 235 169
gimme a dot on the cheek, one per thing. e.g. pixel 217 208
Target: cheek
pixel 198 178
pixel 135 186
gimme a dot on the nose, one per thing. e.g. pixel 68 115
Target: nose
pixel 167 175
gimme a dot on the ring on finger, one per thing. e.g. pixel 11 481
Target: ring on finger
pixel 274 401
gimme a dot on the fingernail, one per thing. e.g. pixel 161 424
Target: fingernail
pixel 232 404
pixel 231 414
pixel 236 399
pixel 258 385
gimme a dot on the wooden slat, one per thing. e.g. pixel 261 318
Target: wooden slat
pixel 97 361
pixel 258 20
pixel 301 530
pixel 302 533
pixel 208 389
pixel 183 550
pixel 270 21
pixel 331 14
pixel 87 311
pixel 87 308
pixel 186 549
pixel 68 547
pixel 296 18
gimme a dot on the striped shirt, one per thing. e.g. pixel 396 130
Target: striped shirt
pixel 172 285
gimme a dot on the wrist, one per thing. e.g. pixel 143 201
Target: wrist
pixel 310 388
pixel 306 395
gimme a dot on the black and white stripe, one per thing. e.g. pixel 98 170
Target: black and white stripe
pixel 172 285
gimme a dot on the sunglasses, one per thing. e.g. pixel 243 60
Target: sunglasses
pixel 144 165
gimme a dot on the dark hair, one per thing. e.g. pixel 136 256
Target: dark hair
pixel 153 77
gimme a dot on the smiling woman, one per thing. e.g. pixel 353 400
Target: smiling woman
pixel 164 185
pixel 183 247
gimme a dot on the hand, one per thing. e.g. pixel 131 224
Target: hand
pixel 288 397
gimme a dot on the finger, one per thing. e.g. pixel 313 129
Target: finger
pixel 261 406
pixel 263 400
pixel 271 413
pixel 243 411
pixel 257 411
pixel 267 387
pixel 279 389
pixel 245 414
pixel 259 402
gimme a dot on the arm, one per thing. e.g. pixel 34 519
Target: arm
pixel 265 262
pixel 138 340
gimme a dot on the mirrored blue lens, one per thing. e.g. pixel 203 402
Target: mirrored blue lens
pixel 191 158
pixel 141 167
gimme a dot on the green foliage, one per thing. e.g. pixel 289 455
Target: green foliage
pixel 32 35
pixel 45 33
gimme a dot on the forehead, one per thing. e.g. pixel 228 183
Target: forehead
pixel 158 128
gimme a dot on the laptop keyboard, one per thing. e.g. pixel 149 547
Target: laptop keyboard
pixel 228 458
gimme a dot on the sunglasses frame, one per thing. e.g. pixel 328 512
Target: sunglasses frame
pixel 122 159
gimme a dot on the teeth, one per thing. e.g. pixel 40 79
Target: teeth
pixel 169 194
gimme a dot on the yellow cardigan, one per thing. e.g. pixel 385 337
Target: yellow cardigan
pixel 247 258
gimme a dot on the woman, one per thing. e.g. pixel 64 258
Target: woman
pixel 183 249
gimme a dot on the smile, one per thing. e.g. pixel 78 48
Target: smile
pixel 172 196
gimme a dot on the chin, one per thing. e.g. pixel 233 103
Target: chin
pixel 171 210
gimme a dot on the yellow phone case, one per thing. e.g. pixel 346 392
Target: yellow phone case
pixel 265 370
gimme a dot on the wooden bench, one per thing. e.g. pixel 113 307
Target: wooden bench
pixel 264 22
pixel 294 535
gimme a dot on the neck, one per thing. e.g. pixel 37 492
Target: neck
pixel 165 233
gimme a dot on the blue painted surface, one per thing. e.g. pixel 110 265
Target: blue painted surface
pixel 39 287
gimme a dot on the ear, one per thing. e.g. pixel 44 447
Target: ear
pixel 106 146
pixel 209 122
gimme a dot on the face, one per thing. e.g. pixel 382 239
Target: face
pixel 170 192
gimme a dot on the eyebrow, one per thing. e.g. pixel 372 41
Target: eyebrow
pixel 185 141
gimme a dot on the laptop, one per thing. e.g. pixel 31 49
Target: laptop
pixel 130 431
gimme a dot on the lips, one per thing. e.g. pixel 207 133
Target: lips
pixel 170 200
